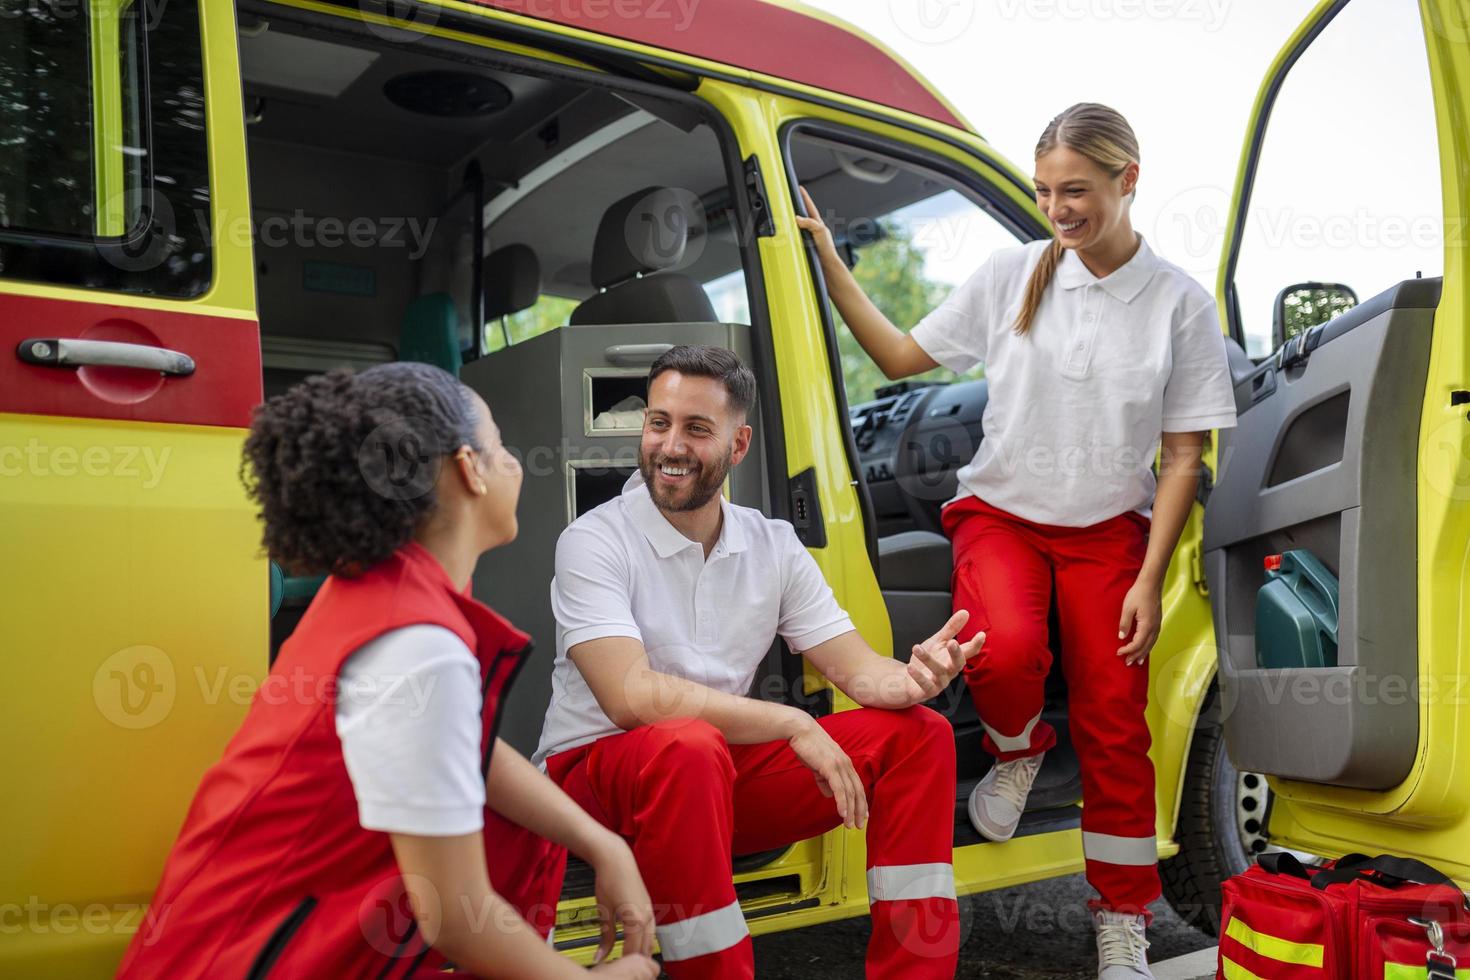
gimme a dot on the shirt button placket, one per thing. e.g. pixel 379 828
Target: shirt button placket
pixel 703 615
pixel 1080 355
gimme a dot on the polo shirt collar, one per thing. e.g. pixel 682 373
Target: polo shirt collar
pixel 666 539
pixel 1125 282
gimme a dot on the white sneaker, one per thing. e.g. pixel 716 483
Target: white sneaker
pixel 1121 948
pixel 998 800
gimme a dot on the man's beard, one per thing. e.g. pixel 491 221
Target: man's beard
pixel 705 485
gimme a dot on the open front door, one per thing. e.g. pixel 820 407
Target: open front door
pixel 1332 511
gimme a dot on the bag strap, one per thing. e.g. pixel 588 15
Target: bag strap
pixel 1286 863
pixel 1355 866
pixel 1283 863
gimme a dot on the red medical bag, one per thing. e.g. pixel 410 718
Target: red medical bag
pixel 1358 918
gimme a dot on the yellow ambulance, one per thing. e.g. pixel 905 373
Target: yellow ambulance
pixel 202 202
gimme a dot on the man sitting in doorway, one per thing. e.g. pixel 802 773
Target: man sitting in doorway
pixel 666 601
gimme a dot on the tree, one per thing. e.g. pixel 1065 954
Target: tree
pixel 1308 306
pixel 891 272
pixel 549 313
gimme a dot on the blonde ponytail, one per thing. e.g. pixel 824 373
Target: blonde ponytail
pixel 1103 136
pixel 1036 285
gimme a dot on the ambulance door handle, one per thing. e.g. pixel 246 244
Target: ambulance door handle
pixel 64 352
pixel 635 355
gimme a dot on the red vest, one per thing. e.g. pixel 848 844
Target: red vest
pixel 272 869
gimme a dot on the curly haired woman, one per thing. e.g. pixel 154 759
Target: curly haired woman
pixel 364 820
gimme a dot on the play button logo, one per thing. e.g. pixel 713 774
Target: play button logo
pixel 932 21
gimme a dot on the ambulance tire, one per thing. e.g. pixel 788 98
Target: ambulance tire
pixel 1212 844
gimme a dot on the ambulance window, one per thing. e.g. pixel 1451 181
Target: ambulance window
pixel 103 160
pixel 1347 187
pixel 558 208
pixel 46 181
pixel 909 234
pixel 548 313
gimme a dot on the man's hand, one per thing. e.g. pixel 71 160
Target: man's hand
pixel 835 775
pixel 939 659
pixel 621 897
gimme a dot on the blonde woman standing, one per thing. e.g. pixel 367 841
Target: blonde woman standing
pixel 1098 353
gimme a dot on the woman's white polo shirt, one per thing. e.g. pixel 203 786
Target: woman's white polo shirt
pixel 1077 405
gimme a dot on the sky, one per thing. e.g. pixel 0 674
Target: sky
pixel 1185 73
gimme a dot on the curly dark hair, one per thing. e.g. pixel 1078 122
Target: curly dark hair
pixel 343 465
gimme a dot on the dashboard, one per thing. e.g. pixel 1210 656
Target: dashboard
pixel 911 440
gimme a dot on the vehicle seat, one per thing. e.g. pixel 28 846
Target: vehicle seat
pixel 640 235
pixel 915 560
pixel 512 277
pixel 430 333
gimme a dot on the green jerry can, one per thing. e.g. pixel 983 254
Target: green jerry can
pixel 1296 613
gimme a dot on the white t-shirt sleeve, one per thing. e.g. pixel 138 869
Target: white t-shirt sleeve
pixel 1199 394
pixel 408 714
pixel 956 333
pixel 809 614
pixel 590 595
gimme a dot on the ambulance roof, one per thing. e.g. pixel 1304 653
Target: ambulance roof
pixel 772 37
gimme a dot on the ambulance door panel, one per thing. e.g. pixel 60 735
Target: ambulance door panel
pixel 1323 460
pixel 1319 661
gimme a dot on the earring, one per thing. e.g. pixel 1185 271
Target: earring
pixel 482 489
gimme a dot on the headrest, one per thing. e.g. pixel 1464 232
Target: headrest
pixel 512 277
pixel 646 231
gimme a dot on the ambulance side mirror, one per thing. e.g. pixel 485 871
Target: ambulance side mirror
pixel 1302 306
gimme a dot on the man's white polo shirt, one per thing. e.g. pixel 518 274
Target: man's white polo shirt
pixel 623 570
pixel 1078 404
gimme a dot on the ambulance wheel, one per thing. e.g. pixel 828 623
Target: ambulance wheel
pixel 1222 825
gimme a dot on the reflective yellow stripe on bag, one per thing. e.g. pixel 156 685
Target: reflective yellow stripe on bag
pixel 1234 971
pixel 1403 971
pixel 1272 947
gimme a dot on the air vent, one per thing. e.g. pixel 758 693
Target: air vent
pixel 447 94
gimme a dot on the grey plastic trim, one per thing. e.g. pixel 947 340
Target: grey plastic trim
pixel 1355 724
